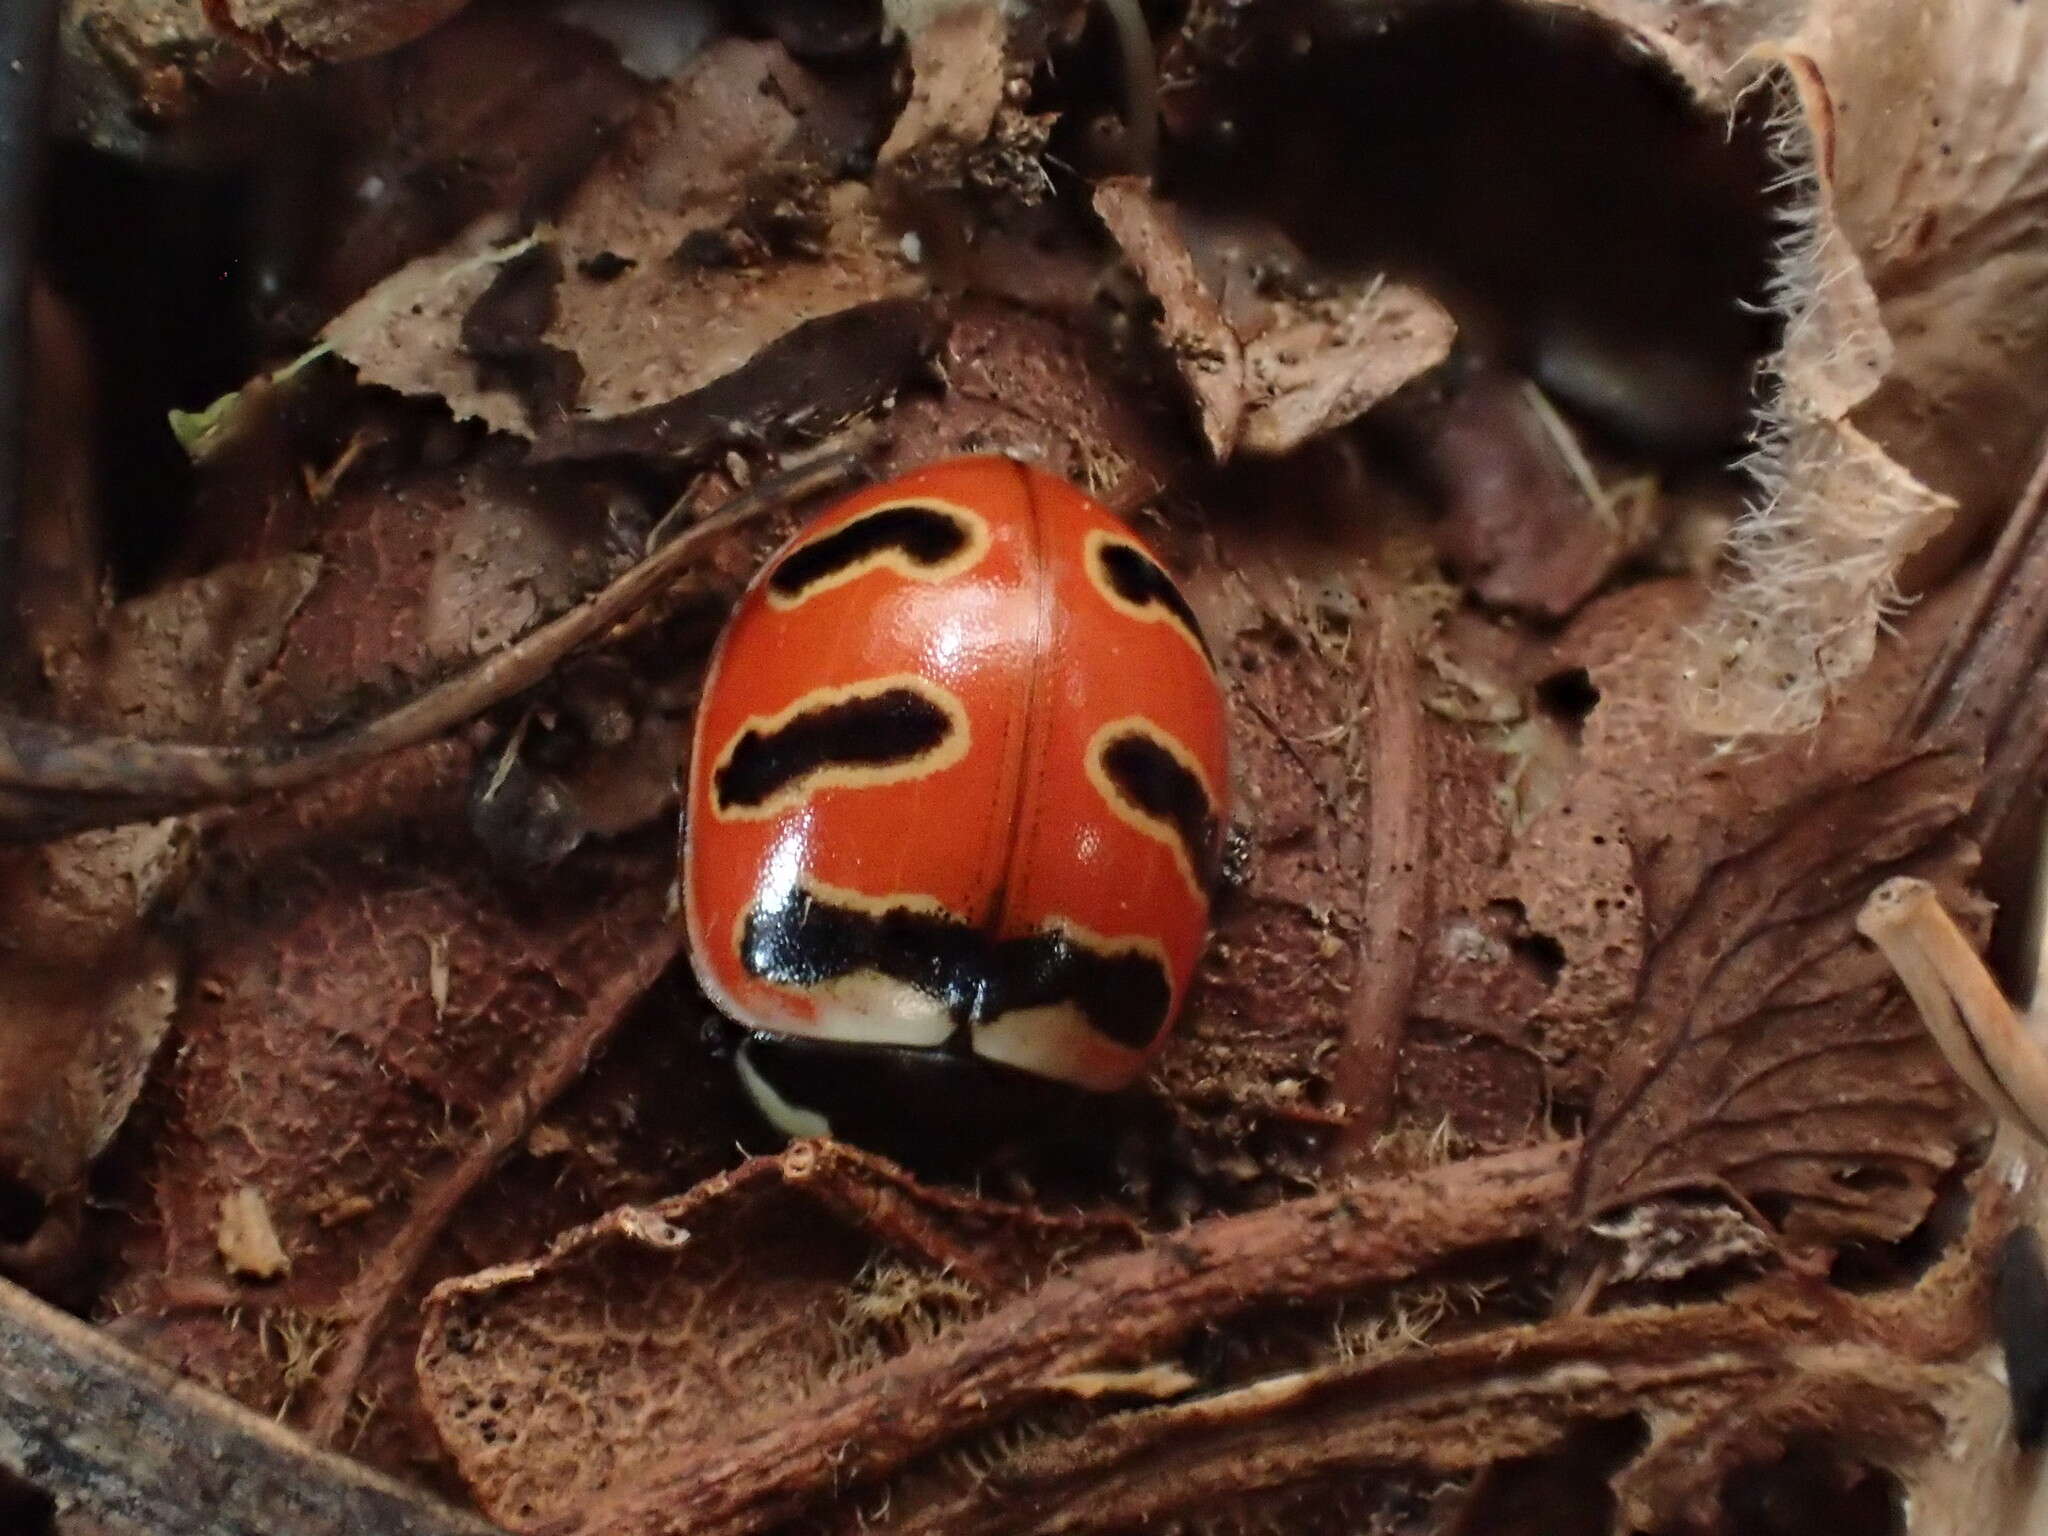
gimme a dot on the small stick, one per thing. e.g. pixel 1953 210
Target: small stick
pixel 42 758
pixel 145 1452
pixel 1396 909
pixel 1984 1039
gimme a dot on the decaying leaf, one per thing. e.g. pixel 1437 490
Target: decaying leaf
pixel 131 59
pixel 367 1037
pixel 91 979
pixel 1782 1063
pixel 1911 364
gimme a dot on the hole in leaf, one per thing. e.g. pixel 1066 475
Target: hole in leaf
pixel 1568 695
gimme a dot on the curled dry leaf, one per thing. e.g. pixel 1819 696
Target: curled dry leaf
pixel 1913 358
pixel 560 1381
pixel 717 216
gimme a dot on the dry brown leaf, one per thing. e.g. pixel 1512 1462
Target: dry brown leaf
pixel 1269 366
pixel 421 574
pixel 501 108
pixel 1319 362
pixel 710 232
pixel 1773 1056
pixel 405 333
pixel 1913 358
pixel 556 1381
pixel 188 660
pixel 958 66
pixel 89 985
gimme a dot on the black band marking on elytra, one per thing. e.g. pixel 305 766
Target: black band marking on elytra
pixel 1138 579
pixel 806 941
pixel 896 725
pixel 928 536
pixel 1165 789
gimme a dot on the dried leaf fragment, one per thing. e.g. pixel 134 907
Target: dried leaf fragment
pixel 563 1380
pixel 1204 349
pixel 1315 363
pixel 249 1248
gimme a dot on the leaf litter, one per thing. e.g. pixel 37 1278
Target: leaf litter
pixel 1523 986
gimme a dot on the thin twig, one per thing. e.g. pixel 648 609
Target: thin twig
pixel 1396 875
pixel 147 1453
pixel 38 758
pixel 1984 1040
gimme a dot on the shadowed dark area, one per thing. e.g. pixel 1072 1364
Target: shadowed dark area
pixel 1585 222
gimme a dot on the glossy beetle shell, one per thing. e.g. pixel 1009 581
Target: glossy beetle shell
pixel 959 781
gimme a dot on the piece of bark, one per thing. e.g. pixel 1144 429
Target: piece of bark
pixel 142 1451
pixel 1130 1308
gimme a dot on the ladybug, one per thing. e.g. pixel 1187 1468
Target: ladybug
pixel 955 809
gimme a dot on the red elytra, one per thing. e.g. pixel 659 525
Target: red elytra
pixel 958 782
